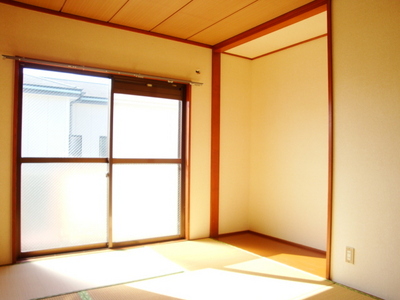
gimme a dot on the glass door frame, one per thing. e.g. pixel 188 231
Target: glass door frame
pixel 18 160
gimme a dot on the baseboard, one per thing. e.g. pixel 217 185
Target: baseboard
pixel 234 233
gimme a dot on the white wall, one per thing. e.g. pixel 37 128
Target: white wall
pixel 289 144
pixel 366 189
pixel 37 35
pixel 274 144
pixel 235 144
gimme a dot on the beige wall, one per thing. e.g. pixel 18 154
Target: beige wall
pixel 42 36
pixel 235 144
pixel 366 187
pixel 289 145
pixel 274 144
pixel 366 190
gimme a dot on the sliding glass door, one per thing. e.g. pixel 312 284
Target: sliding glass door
pixel 146 184
pixel 101 161
pixel 63 183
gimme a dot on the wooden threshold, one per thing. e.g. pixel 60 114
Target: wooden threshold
pixel 93 251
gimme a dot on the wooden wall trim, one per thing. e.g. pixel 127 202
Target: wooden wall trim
pixel 215 143
pixel 188 160
pixel 278 50
pixel 330 143
pixel 274 239
pixel 16 168
pixel 289 242
pixel 291 46
pixel 103 23
pixel 292 17
pixel 239 56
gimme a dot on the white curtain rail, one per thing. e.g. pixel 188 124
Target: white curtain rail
pixel 99 70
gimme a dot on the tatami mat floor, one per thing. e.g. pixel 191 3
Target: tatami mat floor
pixel 200 269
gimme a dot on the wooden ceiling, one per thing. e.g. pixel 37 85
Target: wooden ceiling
pixel 207 22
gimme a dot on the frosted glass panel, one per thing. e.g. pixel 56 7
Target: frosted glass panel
pixel 63 205
pixel 63 114
pixel 146 127
pixel 146 201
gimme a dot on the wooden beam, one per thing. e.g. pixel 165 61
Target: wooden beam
pixel 16 167
pixel 280 22
pixel 330 144
pixel 188 139
pixel 215 143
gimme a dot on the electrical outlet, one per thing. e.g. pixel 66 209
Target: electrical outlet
pixel 350 255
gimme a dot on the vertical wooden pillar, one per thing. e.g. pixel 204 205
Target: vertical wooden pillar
pixel 215 142
pixel 330 146
pixel 188 118
pixel 16 168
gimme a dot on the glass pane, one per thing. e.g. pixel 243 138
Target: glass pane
pixel 63 114
pixel 146 201
pixel 146 127
pixel 63 205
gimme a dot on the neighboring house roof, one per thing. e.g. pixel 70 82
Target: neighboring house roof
pixel 82 91
pixel 91 89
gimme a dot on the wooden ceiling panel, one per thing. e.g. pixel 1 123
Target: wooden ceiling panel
pixel 93 9
pixel 146 15
pixel 207 22
pixel 198 15
pixel 245 19
pixel 49 4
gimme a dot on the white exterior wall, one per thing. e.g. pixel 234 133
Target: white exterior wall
pixel 39 139
pixel 91 122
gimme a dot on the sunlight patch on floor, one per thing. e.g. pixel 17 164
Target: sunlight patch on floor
pixel 267 267
pixel 221 284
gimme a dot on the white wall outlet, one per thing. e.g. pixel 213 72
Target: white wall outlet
pixel 350 255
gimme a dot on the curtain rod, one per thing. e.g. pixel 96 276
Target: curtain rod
pixel 100 70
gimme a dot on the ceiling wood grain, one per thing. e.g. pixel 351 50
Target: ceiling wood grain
pixel 245 19
pixel 49 4
pixel 146 15
pixel 93 9
pixel 208 22
pixel 198 15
